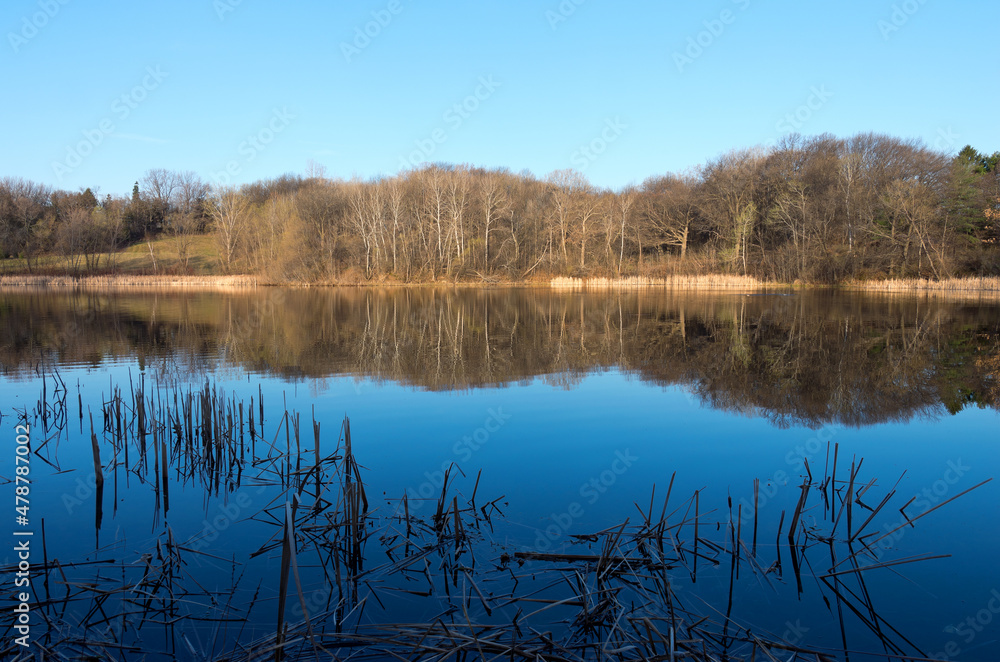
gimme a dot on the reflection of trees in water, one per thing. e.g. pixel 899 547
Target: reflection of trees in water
pixel 810 358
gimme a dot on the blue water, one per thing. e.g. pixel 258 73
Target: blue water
pixel 571 453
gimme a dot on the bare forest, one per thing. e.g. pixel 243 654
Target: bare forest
pixel 810 209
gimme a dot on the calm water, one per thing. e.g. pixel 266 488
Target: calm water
pixel 572 406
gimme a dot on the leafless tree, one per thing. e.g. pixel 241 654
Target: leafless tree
pixel 229 209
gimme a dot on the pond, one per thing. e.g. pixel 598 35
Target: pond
pixel 631 474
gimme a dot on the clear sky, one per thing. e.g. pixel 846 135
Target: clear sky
pixel 97 93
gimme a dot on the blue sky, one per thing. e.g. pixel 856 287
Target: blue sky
pixel 97 93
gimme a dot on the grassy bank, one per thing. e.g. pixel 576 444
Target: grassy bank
pixel 162 256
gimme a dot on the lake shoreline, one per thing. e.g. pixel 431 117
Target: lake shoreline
pixel 954 287
pixel 246 281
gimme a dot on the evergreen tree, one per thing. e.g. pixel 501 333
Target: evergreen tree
pixel 137 216
pixel 88 200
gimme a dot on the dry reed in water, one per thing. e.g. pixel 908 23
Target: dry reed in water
pixel 463 592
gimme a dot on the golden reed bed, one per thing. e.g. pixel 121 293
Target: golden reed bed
pixel 718 282
pixel 128 282
pixel 981 288
pixel 964 288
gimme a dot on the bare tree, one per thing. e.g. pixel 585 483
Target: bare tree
pixel 160 184
pixel 182 226
pixel 366 217
pixel 185 204
pixel 24 206
pixel 565 185
pixel 587 206
pixel 731 184
pixel 395 209
pixel 323 207
pixel 189 194
pixel 912 210
pixel 625 202
pixel 229 210
pixel 72 238
pixel 668 210
pixel 495 204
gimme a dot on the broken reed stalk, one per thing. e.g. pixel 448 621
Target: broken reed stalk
pixel 287 542
pixel 803 495
pixel 96 449
pixel 316 445
pixel 886 564
pixel 868 545
pixel 694 570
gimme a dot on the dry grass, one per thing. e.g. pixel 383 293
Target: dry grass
pixel 127 281
pixel 203 259
pixel 988 288
pixel 143 266
pixel 711 282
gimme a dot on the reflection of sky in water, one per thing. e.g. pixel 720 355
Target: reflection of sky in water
pixel 579 452
pixel 589 452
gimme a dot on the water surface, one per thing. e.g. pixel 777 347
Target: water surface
pixel 574 407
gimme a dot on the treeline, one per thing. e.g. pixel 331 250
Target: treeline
pixel 819 209
pixel 36 221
